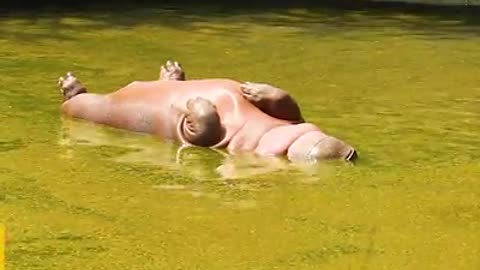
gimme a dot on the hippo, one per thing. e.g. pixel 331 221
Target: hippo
pixel 216 113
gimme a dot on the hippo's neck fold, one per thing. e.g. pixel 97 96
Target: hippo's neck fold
pixel 247 137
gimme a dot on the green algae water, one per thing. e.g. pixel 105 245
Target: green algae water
pixel 403 88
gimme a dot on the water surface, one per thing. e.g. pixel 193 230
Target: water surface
pixel 403 88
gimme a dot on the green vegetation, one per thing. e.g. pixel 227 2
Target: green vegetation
pixel 401 86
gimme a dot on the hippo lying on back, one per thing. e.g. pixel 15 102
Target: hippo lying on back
pixel 217 113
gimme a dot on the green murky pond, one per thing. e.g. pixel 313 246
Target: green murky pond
pixel 404 88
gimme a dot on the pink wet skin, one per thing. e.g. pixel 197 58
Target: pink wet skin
pixel 278 140
pixel 246 127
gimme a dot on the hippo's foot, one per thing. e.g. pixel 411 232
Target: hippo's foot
pixel 70 86
pixel 272 101
pixel 172 71
pixel 257 92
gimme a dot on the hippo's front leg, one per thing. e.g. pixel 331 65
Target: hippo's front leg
pixel 200 123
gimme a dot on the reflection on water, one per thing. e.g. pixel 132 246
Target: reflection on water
pixel 201 163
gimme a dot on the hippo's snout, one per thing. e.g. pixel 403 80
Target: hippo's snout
pixel 316 145
pixel 331 148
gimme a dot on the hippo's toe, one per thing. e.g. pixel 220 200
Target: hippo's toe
pixel 252 92
pixel 172 71
pixel 70 86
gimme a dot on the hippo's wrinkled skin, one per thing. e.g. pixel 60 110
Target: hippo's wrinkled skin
pixel 217 113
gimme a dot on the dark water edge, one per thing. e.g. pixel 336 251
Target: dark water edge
pixel 468 11
pixel 418 5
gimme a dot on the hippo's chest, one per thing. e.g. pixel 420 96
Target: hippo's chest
pixel 154 107
pixel 231 107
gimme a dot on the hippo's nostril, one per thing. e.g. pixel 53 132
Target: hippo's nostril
pixel 351 156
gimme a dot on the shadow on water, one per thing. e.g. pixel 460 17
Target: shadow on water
pixel 315 18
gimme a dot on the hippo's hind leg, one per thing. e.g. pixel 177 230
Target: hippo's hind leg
pixel 70 86
pixel 200 123
pixel 172 71
pixel 272 101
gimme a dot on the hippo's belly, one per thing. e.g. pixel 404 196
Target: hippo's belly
pixel 152 106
